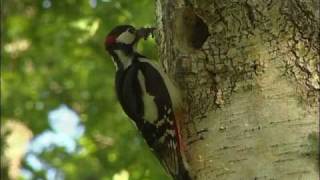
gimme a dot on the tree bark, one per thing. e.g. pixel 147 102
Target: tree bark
pixel 249 75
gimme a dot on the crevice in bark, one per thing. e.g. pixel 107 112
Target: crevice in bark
pixel 301 51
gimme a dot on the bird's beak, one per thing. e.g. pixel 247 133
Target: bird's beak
pixel 145 32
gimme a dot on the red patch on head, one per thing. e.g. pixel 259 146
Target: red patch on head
pixel 110 40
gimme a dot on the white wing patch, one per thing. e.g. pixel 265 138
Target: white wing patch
pixel 126 37
pixel 150 107
pixel 173 91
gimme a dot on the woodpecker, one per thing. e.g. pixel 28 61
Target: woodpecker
pixel 148 97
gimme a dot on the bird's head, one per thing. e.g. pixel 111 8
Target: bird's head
pixel 121 38
pixel 124 38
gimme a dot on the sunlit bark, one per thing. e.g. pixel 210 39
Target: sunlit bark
pixel 251 87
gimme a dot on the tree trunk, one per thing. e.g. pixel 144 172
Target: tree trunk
pixel 249 73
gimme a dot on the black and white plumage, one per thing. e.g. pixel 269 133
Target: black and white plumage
pixel 148 97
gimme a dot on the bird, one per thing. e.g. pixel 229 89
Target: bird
pixel 149 98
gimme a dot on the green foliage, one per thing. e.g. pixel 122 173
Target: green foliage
pixel 53 54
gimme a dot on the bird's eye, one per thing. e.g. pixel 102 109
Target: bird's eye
pixel 131 30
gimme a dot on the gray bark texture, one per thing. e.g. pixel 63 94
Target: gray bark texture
pixel 249 76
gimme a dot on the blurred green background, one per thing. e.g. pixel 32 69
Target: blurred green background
pixel 60 118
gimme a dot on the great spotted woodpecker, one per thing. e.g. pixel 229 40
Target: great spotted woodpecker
pixel 148 97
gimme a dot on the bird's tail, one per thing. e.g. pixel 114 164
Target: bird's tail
pixel 183 173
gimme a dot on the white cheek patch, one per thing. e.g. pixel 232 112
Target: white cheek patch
pixel 126 38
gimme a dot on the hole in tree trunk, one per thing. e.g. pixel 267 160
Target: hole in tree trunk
pixel 200 33
pixel 191 30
